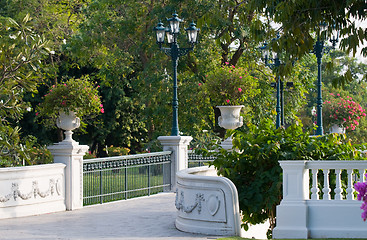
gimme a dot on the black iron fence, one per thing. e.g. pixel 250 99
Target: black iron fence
pixel 198 160
pixel 123 177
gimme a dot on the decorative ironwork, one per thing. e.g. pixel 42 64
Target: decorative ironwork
pixel 198 160
pixel 122 177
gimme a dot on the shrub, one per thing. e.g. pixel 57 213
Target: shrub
pixel 254 168
pixel 229 85
pixel 343 112
pixel 77 95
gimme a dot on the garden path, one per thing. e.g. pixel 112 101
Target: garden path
pixel 140 218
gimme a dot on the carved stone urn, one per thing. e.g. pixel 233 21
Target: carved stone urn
pixel 336 129
pixel 230 119
pixel 68 122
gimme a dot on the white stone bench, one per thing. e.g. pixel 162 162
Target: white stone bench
pixel 207 203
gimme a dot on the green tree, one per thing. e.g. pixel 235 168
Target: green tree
pixel 300 21
pixel 20 53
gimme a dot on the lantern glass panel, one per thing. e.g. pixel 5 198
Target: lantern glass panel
pixel 175 26
pixel 169 37
pixel 160 36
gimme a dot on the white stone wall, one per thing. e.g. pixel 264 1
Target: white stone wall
pixel 206 203
pixel 32 190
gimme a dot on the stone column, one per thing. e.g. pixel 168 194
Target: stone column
pixel 71 154
pixel 179 159
pixel 292 213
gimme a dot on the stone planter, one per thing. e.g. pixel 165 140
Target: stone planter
pixel 230 119
pixel 68 122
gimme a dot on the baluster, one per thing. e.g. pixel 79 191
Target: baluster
pixel 338 189
pixel 361 175
pixel 350 182
pixel 314 189
pixel 326 190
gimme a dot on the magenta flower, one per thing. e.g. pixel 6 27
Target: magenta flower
pixel 227 101
pixel 240 89
pixel 101 105
pixel 102 110
pixel 199 84
pixel 226 63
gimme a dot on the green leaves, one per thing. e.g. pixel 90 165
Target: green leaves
pixel 254 166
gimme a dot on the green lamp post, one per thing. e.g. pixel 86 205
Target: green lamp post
pixel 273 63
pixel 174 51
pixel 319 50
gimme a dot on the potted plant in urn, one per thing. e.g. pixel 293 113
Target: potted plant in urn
pixel 69 101
pixel 228 87
pixel 340 113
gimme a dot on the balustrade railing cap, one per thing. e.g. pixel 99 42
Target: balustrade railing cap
pixel 126 157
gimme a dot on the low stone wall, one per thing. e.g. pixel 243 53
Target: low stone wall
pixel 206 203
pixel 32 190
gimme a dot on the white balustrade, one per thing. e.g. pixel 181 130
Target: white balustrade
pixel 318 208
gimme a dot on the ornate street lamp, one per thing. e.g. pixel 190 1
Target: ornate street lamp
pixel 319 50
pixel 273 62
pixel 174 51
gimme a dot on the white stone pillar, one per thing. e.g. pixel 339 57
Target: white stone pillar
pixel 292 213
pixel 71 154
pixel 179 159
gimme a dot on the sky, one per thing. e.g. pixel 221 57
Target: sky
pixel 362 24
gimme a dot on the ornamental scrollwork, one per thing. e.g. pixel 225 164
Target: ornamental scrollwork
pixel 35 191
pixel 180 202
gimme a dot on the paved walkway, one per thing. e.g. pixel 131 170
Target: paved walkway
pixel 141 218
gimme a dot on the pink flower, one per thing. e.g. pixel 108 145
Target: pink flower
pixel 233 66
pixel 64 84
pixel 241 77
pixel 344 119
pixel 240 89
pixel 363 114
pixel 102 110
pixel 227 101
pixel 199 84
pixel 37 113
pixel 226 63
pixel 338 95
pixel 230 71
pixel 101 105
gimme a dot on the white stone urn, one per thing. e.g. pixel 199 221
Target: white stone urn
pixel 336 129
pixel 230 119
pixel 68 122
